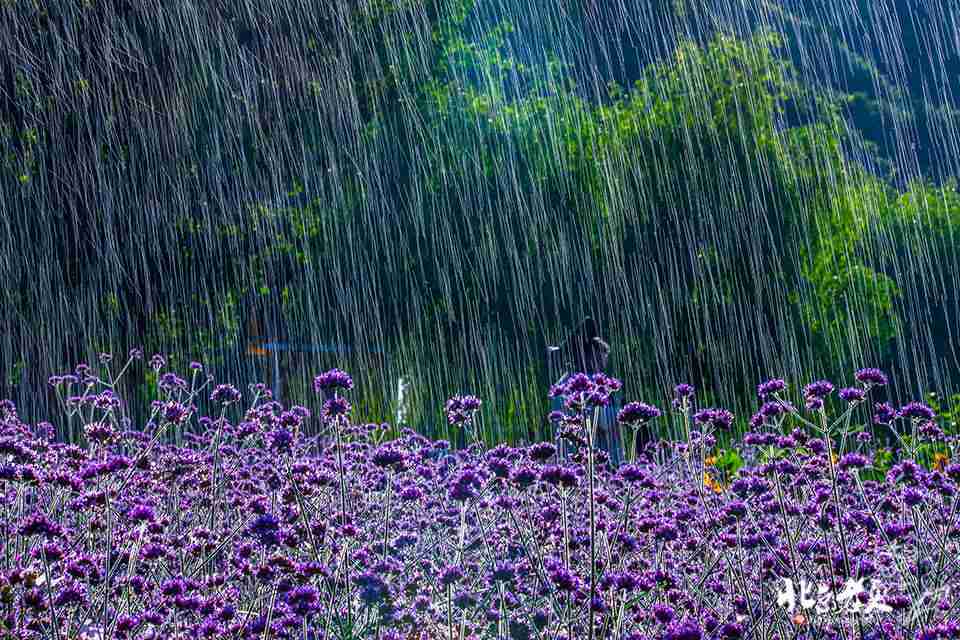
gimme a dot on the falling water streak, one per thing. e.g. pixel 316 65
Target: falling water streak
pixel 176 153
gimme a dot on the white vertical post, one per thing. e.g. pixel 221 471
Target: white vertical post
pixel 276 371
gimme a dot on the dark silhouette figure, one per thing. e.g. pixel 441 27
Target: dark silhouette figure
pixel 585 351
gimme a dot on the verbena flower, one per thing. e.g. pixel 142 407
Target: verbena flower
pixel 542 451
pixel 335 407
pixel 332 380
pixel 174 412
pixel 388 457
pixel 466 485
pixel 916 410
pixel 852 394
pixel 717 418
pixel 819 389
pixel 281 439
pixel 776 408
pixel 157 362
pixel 225 394
pixel 770 387
pixel 853 460
pixel 871 376
pixel 884 413
pixel 266 529
pixel 683 390
pixel 172 382
pixel 637 413
pixel 277 517
pixel 460 410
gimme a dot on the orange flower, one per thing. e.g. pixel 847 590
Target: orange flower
pixel 940 460
pixel 712 460
pixel 710 483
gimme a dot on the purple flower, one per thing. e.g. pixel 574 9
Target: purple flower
pixel 913 496
pixel 332 380
pixel 853 461
pixel 884 413
pixel 633 473
pixel 451 575
pixel 598 399
pixel 172 382
pixel 578 383
pixel 637 413
pixel 916 410
pixel 686 630
pixel 523 477
pixel 852 394
pixel 930 430
pixel 871 376
pixel 39 524
pixel 558 475
pixel 541 451
pixel 503 571
pixel 683 390
pixel 266 529
pixel 562 579
pixel 387 457
pixel 99 431
pixel 373 589
pixel 71 595
pixel 775 408
pixel 281 439
pixel 225 394
pixel 141 513
pixel 663 613
pixel 606 383
pixel 466 485
pixel 717 418
pixel 819 389
pixel 173 411
pixel 460 410
pixel 335 407
pixel 770 387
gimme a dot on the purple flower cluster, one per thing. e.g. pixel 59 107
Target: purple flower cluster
pixel 581 392
pixel 332 380
pixel 715 418
pixel 770 387
pixel 256 527
pixel 460 410
pixel 637 413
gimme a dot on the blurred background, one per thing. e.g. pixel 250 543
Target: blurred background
pixel 440 189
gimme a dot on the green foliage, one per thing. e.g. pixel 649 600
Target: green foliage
pixel 947 410
pixel 451 112
pixel 728 462
pixel 709 110
pixel 849 297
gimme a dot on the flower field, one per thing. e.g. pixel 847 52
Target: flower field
pixel 274 522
